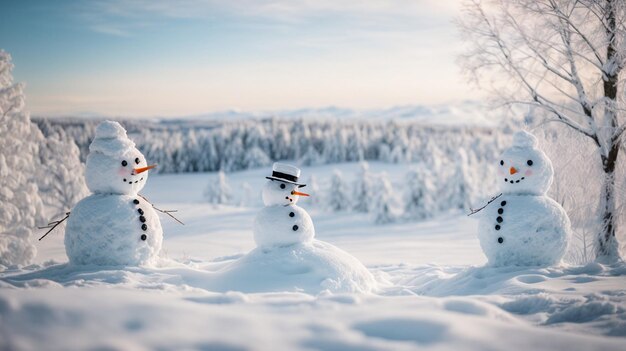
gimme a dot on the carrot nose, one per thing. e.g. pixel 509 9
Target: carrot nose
pixel 143 169
pixel 512 170
pixel 299 193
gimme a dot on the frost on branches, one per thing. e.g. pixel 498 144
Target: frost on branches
pixel 383 207
pixel 61 179
pixel 362 189
pixel 20 204
pixel 419 202
pixel 338 194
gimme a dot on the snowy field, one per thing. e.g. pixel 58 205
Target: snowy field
pixel 432 291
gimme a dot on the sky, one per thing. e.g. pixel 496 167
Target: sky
pixel 189 57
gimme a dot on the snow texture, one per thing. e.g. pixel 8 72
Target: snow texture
pixel 524 227
pixel 281 225
pixel 111 140
pixel 107 230
pixel 311 267
pixel 20 203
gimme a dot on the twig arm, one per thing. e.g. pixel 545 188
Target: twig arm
pixel 53 225
pixel 474 211
pixel 167 212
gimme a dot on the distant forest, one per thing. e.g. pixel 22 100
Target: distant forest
pixel 206 146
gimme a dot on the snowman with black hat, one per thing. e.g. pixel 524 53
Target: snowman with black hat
pixel 288 257
pixel 282 222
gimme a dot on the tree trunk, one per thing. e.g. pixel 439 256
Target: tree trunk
pixel 607 250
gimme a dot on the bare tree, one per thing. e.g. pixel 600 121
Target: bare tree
pixel 567 58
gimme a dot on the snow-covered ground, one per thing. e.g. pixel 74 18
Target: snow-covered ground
pixel 433 291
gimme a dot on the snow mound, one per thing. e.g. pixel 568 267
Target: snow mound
pixel 306 267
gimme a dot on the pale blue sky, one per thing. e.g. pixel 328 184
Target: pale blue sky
pixel 175 58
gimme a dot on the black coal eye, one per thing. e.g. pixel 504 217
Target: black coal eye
pixel 282 186
pixel 529 162
pixel 501 163
pixel 137 160
pixel 124 163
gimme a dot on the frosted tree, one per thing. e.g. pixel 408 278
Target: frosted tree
pixel 338 196
pixel 311 157
pixel 313 188
pixel 247 195
pixel 61 175
pixel 362 189
pixel 384 201
pixel 218 190
pixel 419 193
pixel 566 58
pixel 20 204
pixel 459 189
pixel 255 158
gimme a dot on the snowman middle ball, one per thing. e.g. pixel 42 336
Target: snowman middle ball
pixel 282 222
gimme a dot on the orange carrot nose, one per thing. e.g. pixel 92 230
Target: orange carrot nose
pixel 299 193
pixel 512 170
pixel 143 169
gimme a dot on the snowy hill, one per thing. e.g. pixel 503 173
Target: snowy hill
pixel 452 114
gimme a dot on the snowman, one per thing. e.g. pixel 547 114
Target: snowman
pixel 523 226
pixel 115 225
pixel 288 257
pixel 282 222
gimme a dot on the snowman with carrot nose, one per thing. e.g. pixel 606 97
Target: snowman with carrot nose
pixel 114 225
pixel 281 222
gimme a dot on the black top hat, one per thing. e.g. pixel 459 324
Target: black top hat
pixel 286 173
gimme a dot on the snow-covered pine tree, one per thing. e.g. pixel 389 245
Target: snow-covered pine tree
pixel 61 178
pixel 338 196
pixel 255 158
pixel 313 189
pixel 383 201
pixel 419 192
pixel 20 204
pixel 457 193
pixel 218 190
pixel 362 190
pixel 311 157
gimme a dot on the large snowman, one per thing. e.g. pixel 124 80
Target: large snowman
pixel 288 257
pixel 114 225
pixel 524 227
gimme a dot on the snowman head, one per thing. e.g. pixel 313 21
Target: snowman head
pixel 282 186
pixel 523 168
pixel 114 164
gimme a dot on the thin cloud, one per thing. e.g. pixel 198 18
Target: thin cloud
pixel 120 17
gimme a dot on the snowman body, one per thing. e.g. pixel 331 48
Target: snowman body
pixel 113 226
pixel 524 230
pixel 524 227
pixel 111 229
pixel 281 225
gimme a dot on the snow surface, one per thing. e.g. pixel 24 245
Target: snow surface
pixel 434 291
